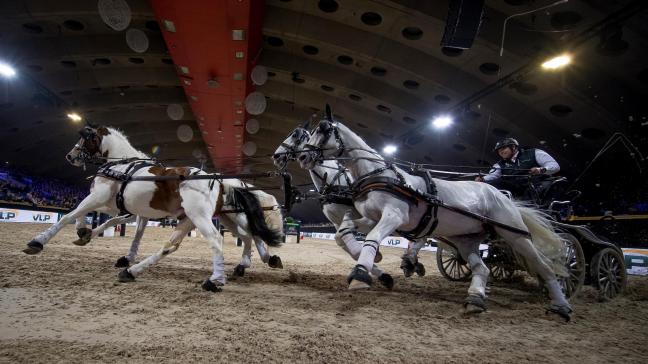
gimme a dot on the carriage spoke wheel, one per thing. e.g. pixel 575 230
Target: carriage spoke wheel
pixel 500 271
pixel 500 262
pixel 608 273
pixel 451 266
pixel 575 264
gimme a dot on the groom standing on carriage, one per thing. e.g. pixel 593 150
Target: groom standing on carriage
pixel 519 167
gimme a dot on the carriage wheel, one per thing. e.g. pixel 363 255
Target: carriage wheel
pixel 451 265
pixel 575 264
pixel 608 273
pixel 501 272
pixel 500 261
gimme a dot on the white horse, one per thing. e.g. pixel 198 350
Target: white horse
pixel 390 199
pixel 193 202
pixel 329 177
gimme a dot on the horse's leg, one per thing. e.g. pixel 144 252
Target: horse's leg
pixel 199 206
pixel 468 246
pixel 83 232
pixel 346 234
pixel 237 225
pixel 525 248
pixel 409 260
pixel 86 235
pixel 273 261
pixel 345 238
pixel 390 220
pixel 183 228
pixel 129 259
pixel 89 203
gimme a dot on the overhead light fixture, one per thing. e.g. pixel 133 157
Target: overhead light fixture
pixel 390 149
pixel 442 122
pixel 557 62
pixel 6 70
pixel 74 117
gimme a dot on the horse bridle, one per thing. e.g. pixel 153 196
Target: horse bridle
pixel 291 153
pixel 318 150
pixel 88 155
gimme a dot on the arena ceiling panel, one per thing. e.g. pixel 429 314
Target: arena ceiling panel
pixel 379 64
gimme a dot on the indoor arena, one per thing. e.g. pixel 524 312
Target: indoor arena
pixel 321 181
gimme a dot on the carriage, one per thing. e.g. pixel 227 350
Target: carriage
pixel 589 259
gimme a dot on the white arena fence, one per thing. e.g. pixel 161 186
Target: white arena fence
pixel 636 259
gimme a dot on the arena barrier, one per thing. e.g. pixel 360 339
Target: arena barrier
pixel 636 259
pixel 20 215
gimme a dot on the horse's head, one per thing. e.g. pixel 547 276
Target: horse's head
pixel 324 143
pixel 88 147
pixel 288 149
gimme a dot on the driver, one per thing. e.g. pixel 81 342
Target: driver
pixel 516 164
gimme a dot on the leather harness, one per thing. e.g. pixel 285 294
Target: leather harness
pixel 134 165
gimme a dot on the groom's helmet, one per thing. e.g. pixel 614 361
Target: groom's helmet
pixel 506 142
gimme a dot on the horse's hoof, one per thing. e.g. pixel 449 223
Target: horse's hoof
pixel 407 267
pixel 84 235
pixel 275 262
pixel 378 257
pixel 33 247
pixel 359 278
pixel 386 280
pixel 474 304
pixel 239 271
pixel 122 262
pixel 211 286
pixel 419 269
pixel 562 311
pixel 125 276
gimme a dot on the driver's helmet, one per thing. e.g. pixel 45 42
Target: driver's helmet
pixel 506 142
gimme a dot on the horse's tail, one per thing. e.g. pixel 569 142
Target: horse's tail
pixel 548 243
pixel 273 236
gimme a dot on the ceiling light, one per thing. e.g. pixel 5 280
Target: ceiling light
pixel 74 117
pixel 390 149
pixel 557 62
pixel 6 70
pixel 442 122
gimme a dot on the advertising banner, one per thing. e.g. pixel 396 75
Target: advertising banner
pixel 17 215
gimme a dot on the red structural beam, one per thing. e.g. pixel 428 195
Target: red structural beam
pixel 214 45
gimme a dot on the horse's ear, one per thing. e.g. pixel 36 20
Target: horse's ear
pixel 86 132
pixel 329 114
pixel 306 124
pixel 103 131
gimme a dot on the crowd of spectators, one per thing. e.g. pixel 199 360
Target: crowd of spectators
pixel 20 188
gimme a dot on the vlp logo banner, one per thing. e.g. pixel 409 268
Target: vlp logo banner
pixel 15 215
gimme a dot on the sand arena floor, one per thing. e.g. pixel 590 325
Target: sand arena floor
pixel 66 305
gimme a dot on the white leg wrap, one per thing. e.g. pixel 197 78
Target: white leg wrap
pixel 556 294
pixel 368 254
pixel 479 275
pixel 218 274
pixel 351 245
pixel 245 261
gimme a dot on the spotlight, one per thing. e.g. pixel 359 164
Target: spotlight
pixel 557 62
pixel 442 122
pixel 6 70
pixel 390 149
pixel 74 117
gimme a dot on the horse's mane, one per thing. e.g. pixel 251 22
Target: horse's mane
pixel 118 133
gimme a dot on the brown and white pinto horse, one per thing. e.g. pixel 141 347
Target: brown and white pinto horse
pixel 193 202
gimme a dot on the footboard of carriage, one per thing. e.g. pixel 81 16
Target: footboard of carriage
pixel 588 260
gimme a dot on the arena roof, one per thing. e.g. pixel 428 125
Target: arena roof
pixel 379 64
